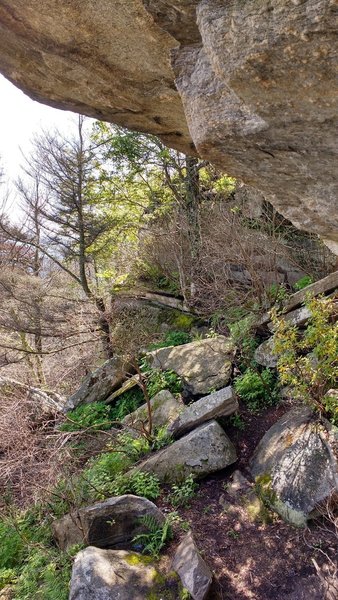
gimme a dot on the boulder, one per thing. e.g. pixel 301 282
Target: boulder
pixel 203 451
pixel 264 354
pixel 112 574
pixel 219 404
pixel 165 408
pixel 109 524
pixel 100 383
pixel 193 571
pixel 296 465
pixel 203 365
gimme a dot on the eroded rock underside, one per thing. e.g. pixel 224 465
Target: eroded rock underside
pixel 249 85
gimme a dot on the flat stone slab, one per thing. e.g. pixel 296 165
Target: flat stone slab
pixel 218 404
pixel 112 523
pixel 112 574
pixel 295 462
pixel 203 365
pixel 193 571
pixel 165 408
pixel 203 451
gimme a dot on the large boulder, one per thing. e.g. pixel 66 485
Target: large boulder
pixel 112 574
pixel 194 573
pixel 203 451
pixel 165 408
pixel 99 384
pixel 295 466
pixel 204 365
pixel 109 524
pixel 218 404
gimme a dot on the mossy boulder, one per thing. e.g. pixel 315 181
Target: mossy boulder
pixel 295 465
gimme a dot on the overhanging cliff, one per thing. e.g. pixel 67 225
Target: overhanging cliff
pixel 248 84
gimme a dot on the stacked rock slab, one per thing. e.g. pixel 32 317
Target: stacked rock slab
pixel 98 385
pixel 203 451
pixel 165 408
pixel 194 573
pixel 218 404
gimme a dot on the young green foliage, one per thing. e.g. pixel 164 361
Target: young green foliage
pixel 308 362
pixel 257 389
pixel 182 493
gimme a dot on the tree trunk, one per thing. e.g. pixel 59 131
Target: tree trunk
pixel 191 208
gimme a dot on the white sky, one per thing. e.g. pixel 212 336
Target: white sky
pixel 20 119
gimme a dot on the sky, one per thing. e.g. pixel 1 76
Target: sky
pixel 20 119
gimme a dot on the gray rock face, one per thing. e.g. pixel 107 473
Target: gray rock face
pixel 253 57
pixel 165 409
pixel 110 574
pixel 98 385
pixel 194 573
pixel 255 82
pixel 203 365
pixel 109 524
pixel 296 455
pixel 203 451
pixel 264 354
pixel 219 404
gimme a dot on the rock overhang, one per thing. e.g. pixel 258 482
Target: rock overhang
pixel 250 85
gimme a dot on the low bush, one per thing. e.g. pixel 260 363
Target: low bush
pixel 101 416
pixel 155 539
pixel 257 389
pixel 307 362
pixel 157 380
pixel 142 484
pixel 28 560
pixel 172 338
pixel 182 493
pixel 303 283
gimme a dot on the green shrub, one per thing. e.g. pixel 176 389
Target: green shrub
pixel 101 416
pixel 157 380
pixel 257 389
pixel 308 363
pixel 44 576
pixel 182 493
pixel 142 484
pixel 172 338
pixel 242 333
pixel 95 415
pixel 28 559
pixel 303 282
pixel 127 403
pixel 98 479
